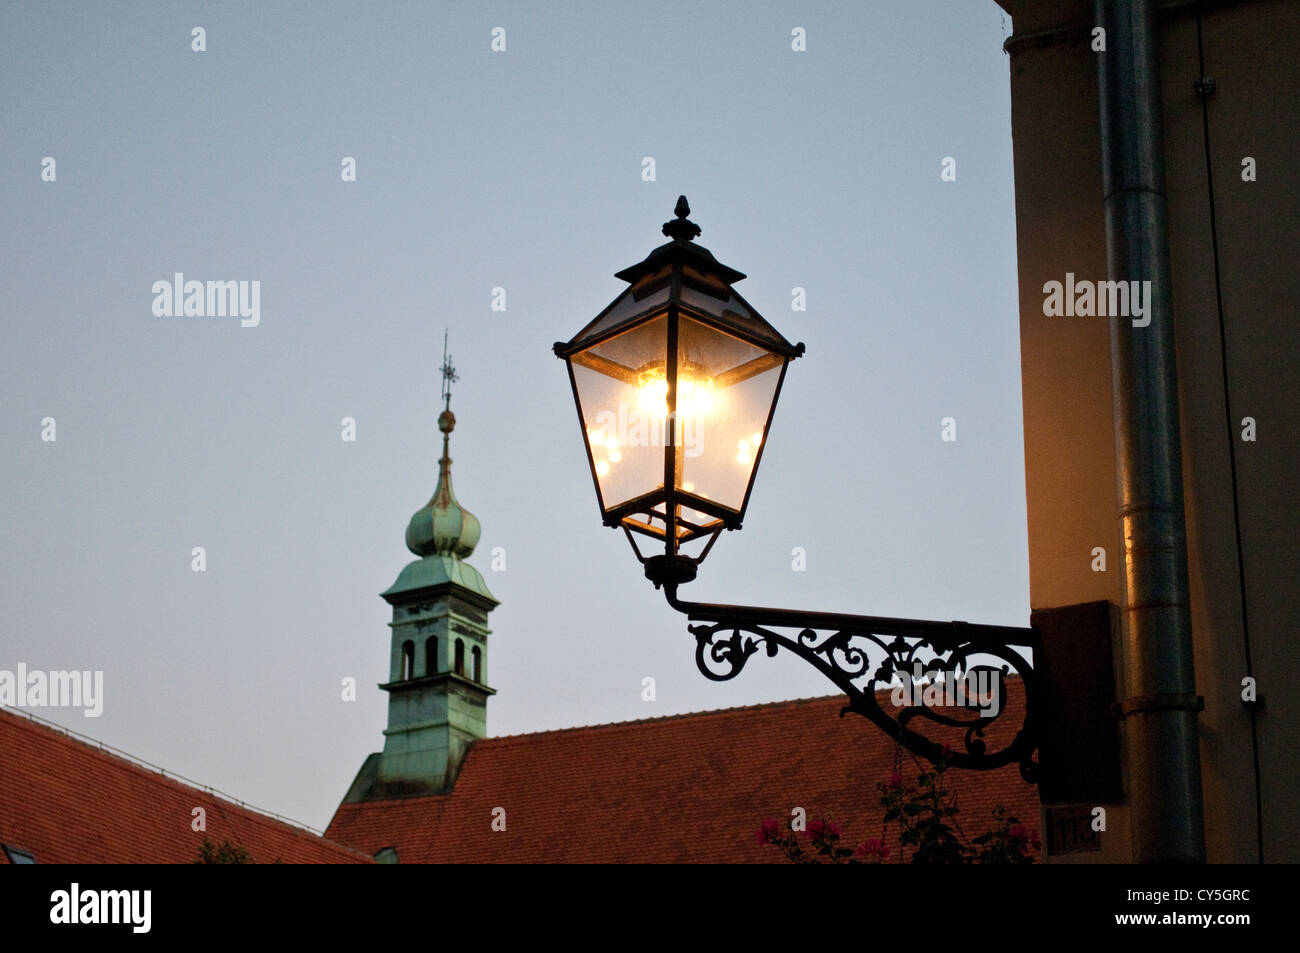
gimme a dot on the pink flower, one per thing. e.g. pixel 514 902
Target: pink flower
pixel 1025 840
pixel 818 830
pixel 769 832
pixel 874 850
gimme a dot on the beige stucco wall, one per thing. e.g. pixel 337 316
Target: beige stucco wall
pixel 1253 52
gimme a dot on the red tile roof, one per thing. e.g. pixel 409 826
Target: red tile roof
pixel 685 788
pixel 66 801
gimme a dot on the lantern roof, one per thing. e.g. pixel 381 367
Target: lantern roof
pixel 682 248
pixel 685 274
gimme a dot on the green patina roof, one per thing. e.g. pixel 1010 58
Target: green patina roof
pixel 442 531
pixel 439 570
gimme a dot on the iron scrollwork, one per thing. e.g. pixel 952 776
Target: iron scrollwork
pixel 928 672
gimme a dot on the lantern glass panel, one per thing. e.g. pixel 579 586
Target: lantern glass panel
pixel 621 410
pixel 725 390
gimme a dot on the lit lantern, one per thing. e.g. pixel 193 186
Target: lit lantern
pixel 676 383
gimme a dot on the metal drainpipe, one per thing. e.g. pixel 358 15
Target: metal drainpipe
pixel 1160 704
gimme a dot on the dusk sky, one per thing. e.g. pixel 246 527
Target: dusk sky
pixel 476 169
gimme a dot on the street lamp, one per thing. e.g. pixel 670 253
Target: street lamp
pixel 676 383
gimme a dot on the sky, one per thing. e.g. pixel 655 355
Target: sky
pixel 476 169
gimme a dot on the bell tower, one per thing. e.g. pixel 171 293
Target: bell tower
pixel 437 683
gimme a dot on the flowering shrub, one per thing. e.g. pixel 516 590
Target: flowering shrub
pixel 820 837
pixel 1010 842
pixel 925 815
pixel 872 851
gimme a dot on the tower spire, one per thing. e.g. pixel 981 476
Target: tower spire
pixel 442 495
pixel 437 686
pixel 449 375
pixel 442 526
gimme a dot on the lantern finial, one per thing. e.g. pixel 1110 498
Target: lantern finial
pixel 682 229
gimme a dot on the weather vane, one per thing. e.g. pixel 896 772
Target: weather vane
pixel 449 375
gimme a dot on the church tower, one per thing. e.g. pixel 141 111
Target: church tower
pixel 437 684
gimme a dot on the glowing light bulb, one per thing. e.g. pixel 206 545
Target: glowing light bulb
pixel 611 443
pixel 601 468
pixel 694 396
pixel 654 397
pixel 597 437
pixel 688 487
pixel 615 456
pixel 757 439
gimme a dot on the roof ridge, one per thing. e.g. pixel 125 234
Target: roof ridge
pixel 807 700
pixel 96 746
pixel 676 716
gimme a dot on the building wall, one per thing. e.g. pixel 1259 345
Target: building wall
pixel 1252 49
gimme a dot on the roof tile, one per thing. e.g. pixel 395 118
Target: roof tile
pixel 679 789
pixel 66 801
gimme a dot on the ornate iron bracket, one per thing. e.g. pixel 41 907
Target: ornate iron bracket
pixel 858 653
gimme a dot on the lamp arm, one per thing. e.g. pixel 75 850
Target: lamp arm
pixel 933 668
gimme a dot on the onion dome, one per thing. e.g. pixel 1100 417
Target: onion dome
pixel 442 526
